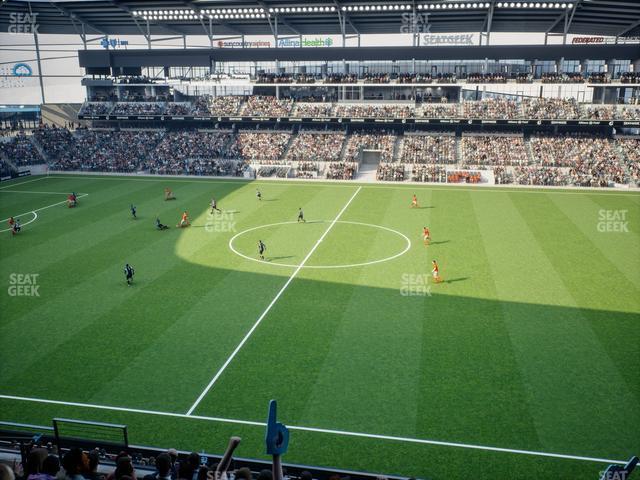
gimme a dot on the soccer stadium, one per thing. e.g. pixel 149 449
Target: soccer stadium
pixel 319 239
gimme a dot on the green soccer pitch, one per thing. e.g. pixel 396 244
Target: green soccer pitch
pixel 523 363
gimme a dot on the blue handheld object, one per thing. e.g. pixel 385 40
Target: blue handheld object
pixel 277 437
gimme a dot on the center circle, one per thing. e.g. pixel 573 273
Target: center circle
pixel 350 265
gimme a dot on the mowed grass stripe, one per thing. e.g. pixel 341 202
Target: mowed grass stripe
pixel 325 207
pixel 622 249
pixel 81 254
pixel 96 217
pixel 211 322
pixel 373 359
pixel 601 311
pixel 545 220
pixel 568 375
pixel 471 386
pixel 19 205
pixel 68 289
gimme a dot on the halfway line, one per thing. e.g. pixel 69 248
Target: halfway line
pixel 264 314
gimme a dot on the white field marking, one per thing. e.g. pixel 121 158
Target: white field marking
pixel 22 183
pixel 33 191
pixel 373 262
pixel 266 311
pixel 318 430
pixel 343 184
pixel 42 208
pixel 35 217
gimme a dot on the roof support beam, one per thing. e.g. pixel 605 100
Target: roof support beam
pixel 117 4
pixel 486 26
pixel 567 16
pixel 73 17
pixel 194 6
pixel 628 28
pixel 35 41
pixel 345 17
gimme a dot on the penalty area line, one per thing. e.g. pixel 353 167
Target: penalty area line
pixel 22 183
pixel 370 436
pixel 268 309
pixel 35 210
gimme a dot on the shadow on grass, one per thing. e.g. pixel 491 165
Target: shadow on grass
pixel 453 280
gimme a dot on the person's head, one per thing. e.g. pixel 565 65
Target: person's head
pixel 94 460
pixel 173 454
pixel 186 469
pixel 163 464
pixel 6 473
pixel 203 472
pixel 75 461
pixel 306 475
pixel 34 461
pixel 51 465
pixel 265 475
pixel 124 468
pixel 243 474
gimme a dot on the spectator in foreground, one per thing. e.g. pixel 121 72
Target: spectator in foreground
pixel 265 475
pixel 243 474
pixel 51 467
pixel 163 468
pixel 124 468
pixel 94 461
pixel 75 463
pixel 34 463
pixel 6 473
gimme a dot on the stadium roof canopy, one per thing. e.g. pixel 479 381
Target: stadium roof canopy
pixel 316 17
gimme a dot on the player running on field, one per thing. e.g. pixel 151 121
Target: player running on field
pixel 128 273
pixel 435 271
pixel 214 206
pixel 301 216
pixel 426 235
pixel 14 225
pixel 184 221
pixel 132 207
pixel 258 194
pixel 414 201
pixel 261 249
